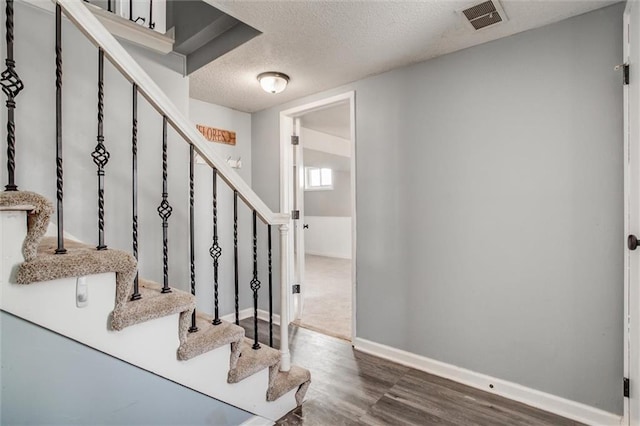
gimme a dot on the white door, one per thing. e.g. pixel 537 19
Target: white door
pixel 632 209
pixel 297 300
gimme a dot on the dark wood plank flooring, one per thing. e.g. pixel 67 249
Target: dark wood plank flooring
pixel 352 388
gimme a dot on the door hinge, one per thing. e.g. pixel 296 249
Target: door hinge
pixel 295 214
pixel 625 72
pixel 295 289
pixel 295 140
pixel 625 387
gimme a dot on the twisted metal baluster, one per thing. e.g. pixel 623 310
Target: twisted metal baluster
pixel 59 178
pixel 100 154
pixel 270 287
pixel 192 249
pixel 134 182
pixel 11 86
pixel 152 24
pixel 235 254
pixel 215 251
pixel 255 284
pixel 164 210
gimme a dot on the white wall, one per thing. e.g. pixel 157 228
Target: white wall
pixel 141 9
pixel 319 141
pixel 328 236
pixel 329 202
pixel 328 212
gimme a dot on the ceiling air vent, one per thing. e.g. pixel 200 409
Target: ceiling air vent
pixel 485 14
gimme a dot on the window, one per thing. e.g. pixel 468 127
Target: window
pixel 318 178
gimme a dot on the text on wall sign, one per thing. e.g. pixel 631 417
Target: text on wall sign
pixel 217 135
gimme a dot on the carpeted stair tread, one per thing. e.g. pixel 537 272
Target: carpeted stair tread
pixel 153 304
pixel 284 381
pixel 37 218
pixel 80 260
pixel 208 337
pixel 251 360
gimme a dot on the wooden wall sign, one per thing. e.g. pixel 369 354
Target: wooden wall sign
pixel 217 135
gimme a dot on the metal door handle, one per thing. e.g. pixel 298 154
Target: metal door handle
pixel 632 242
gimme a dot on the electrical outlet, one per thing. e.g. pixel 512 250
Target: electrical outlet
pixel 82 292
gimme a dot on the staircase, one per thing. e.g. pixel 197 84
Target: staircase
pixel 152 325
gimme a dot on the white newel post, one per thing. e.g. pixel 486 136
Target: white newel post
pixel 285 356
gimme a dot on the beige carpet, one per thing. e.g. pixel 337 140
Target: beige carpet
pixel 327 296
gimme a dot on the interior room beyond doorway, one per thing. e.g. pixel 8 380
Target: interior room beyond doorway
pixel 325 139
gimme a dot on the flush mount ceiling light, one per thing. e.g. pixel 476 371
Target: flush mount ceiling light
pixel 273 82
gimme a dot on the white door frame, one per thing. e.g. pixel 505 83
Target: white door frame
pixel 286 184
pixel 631 307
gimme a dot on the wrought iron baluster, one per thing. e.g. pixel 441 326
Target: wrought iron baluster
pixel 100 154
pixel 192 248
pixel 164 210
pixel 255 283
pixel 235 254
pixel 11 86
pixel 134 182
pixel 59 178
pixel 215 251
pixel 152 24
pixel 270 287
pixel 131 18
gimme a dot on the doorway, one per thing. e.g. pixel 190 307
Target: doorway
pixel 318 186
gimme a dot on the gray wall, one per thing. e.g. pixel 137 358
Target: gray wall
pixel 490 206
pixel 335 202
pixel 49 379
pixel 35 129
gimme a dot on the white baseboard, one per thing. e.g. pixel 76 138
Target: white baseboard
pixel 257 421
pixel 248 313
pixel 535 398
pixel 327 254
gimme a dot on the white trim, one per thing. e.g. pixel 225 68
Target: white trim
pixel 257 421
pixel 629 307
pixel 248 313
pixel 80 15
pixel 354 240
pixel 535 398
pixel 326 254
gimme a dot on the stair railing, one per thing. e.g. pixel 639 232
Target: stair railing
pixel 111 7
pixel 143 84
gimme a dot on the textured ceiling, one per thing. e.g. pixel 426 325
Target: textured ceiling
pixel 324 44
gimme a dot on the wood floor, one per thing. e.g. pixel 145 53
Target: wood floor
pixel 352 388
